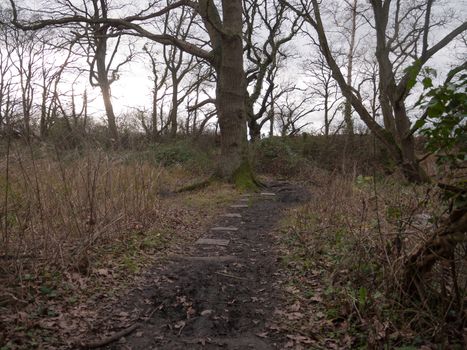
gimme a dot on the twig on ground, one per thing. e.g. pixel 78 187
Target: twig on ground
pixel 110 339
pixel 231 276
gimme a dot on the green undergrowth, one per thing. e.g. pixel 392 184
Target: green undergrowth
pixel 211 198
pixel 277 156
pixel 181 152
pixel 293 156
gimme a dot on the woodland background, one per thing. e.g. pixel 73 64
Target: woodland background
pixel 364 102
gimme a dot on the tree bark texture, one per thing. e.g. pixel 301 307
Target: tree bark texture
pixel 231 87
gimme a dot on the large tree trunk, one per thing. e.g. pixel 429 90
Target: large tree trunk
pixel 231 87
pixel 231 108
pixel 410 164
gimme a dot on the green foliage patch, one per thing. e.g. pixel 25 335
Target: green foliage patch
pixel 277 156
pixel 445 121
pixel 177 153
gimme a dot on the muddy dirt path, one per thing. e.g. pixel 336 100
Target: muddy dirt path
pixel 221 293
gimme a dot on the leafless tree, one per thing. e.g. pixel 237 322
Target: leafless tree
pixel 175 79
pixel 26 61
pixel 158 94
pixel 74 116
pixel 264 56
pixel 200 103
pixel 177 64
pixel 6 66
pixel 291 112
pixel 51 76
pixel 324 89
pixel 223 23
pixel 101 43
pixel 351 34
pixel 402 31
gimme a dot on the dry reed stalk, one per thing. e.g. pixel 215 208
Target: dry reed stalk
pixel 63 203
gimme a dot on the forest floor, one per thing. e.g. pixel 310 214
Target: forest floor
pixel 218 282
pixel 222 291
pixel 218 269
pixel 128 261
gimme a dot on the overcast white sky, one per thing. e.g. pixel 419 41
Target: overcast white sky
pixel 133 89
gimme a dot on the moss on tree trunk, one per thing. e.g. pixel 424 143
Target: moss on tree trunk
pixel 244 179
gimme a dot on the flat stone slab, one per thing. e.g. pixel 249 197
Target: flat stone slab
pixel 228 228
pixel 267 194
pixel 222 258
pixel 239 206
pixel 211 241
pixel 232 215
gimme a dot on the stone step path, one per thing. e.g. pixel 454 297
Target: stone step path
pixel 220 291
pixel 267 194
pixel 212 241
pixel 221 258
pixel 227 228
pixel 232 215
pixel 238 206
pixel 225 242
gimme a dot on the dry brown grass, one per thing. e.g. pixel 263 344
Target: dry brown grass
pixel 58 207
pixel 354 237
pixel 80 224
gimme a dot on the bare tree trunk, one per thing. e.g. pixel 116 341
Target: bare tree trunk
pixel 104 85
pixel 85 111
pixel 174 110
pixel 43 119
pixel 231 88
pixel 253 126
pixel 349 127
pixel 154 117
pixel 111 120
pixel 195 112
pixel 410 165
pixel 271 126
pixel 327 123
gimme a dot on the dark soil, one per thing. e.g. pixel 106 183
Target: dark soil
pixel 212 296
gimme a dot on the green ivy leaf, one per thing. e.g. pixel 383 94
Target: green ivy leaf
pixel 413 71
pixel 419 123
pixel 436 109
pixel 427 83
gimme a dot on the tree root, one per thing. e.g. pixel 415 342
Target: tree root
pixel 440 246
pixel 110 339
pixel 197 185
